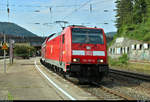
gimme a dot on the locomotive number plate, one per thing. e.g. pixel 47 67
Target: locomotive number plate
pixel 90 53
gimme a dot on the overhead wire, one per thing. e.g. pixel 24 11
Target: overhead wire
pixel 14 5
pixel 50 7
pixel 75 10
pixel 81 6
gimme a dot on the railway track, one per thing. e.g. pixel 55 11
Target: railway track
pixel 130 74
pixel 100 91
pixel 105 93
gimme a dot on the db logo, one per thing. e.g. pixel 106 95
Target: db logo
pixel 90 53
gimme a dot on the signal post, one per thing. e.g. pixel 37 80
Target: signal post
pixel 4 47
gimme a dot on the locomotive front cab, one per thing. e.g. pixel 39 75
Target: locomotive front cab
pixel 89 53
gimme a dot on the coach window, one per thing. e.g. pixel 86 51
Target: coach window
pixel 63 39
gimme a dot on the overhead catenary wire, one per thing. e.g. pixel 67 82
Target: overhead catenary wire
pixel 38 6
pixel 75 10
pixel 88 5
pixel 81 6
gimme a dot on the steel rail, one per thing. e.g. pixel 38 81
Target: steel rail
pixel 117 93
pixel 105 89
pixel 130 74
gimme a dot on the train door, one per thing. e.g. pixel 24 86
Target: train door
pixel 62 49
pixel 44 51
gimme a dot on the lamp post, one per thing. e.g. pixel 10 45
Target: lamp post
pixel 4 53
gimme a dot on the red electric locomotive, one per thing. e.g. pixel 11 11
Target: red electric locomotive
pixel 77 52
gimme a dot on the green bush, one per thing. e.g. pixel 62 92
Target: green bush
pixel 123 59
pixel 120 61
pixel 113 62
pixel 23 51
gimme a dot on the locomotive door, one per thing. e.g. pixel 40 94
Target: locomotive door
pixel 62 45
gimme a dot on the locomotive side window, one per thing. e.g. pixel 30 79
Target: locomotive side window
pixel 87 36
pixel 63 39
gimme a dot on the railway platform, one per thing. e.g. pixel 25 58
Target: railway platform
pixel 22 81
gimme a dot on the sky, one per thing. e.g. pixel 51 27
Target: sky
pixel 40 16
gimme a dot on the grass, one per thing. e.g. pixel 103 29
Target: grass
pixel 134 67
pixel 138 67
pixel 10 97
pixel 123 60
pixel 123 64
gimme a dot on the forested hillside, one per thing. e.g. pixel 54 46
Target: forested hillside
pixel 110 34
pixel 133 19
pixel 13 29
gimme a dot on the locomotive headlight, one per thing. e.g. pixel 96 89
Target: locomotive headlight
pixel 76 60
pixel 100 60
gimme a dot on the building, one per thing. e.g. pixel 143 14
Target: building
pixel 136 50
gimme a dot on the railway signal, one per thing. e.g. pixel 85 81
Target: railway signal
pixel 4 46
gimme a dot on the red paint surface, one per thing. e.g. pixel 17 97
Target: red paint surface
pixel 56 50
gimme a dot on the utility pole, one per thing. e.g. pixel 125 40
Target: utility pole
pixel 4 47
pixel 4 54
pixel 8 9
pixel 90 8
pixel 50 10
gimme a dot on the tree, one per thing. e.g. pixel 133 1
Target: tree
pixel 133 19
pixel 124 13
pixel 140 9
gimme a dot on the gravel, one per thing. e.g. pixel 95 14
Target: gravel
pixel 137 89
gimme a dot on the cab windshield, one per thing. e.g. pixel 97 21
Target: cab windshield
pixel 87 36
